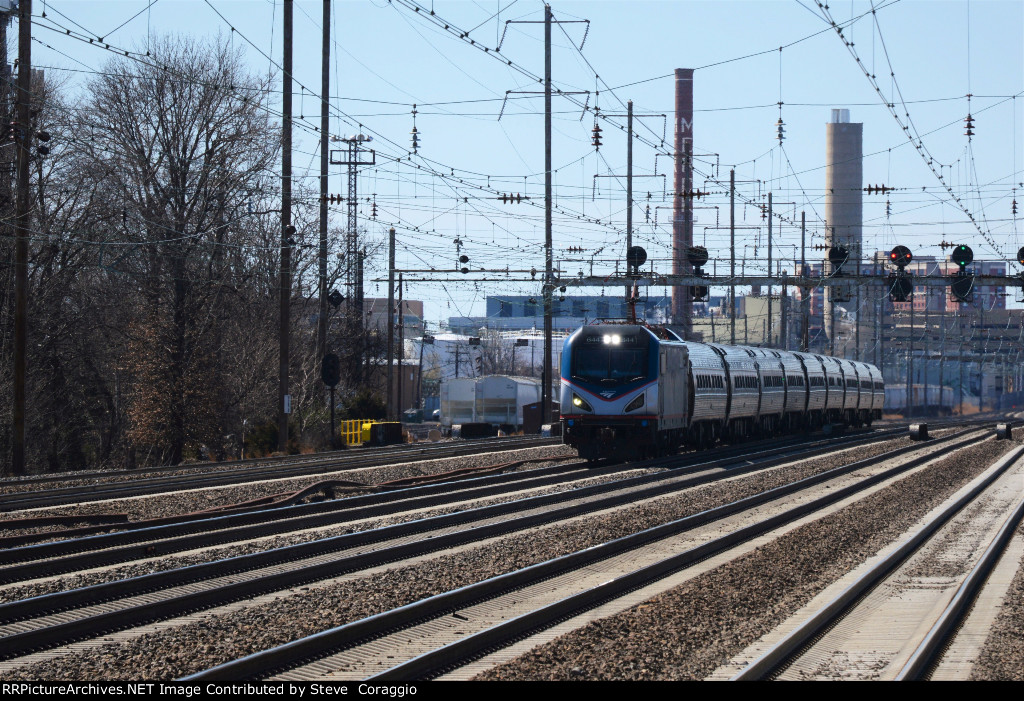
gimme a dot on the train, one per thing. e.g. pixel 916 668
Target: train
pixel 637 391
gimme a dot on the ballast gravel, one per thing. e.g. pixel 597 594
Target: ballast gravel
pixel 688 632
pixel 78 580
pixel 1002 657
pixel 183 502
pixel 198 645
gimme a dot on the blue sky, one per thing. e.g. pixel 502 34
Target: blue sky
pixel 388 57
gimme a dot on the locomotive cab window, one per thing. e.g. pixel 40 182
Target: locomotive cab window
pixel 608 364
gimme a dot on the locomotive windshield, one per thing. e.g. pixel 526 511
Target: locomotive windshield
pixel 610 363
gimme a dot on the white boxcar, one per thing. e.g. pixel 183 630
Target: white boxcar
pixel 500 398
pixel 458 401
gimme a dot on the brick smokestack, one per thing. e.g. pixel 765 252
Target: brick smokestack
pixel 682 210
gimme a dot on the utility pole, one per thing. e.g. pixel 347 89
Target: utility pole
pixel 23 136
pixel 910 359
pixel 401 347
pixel 981 355
pixel 784 332
pixel 732 256
pixel 629 187
pixel 879 355
pixel 832 328
pixel 325 80
pixel 805 294
pixel 856 329
pixel 548 253
pixel 769 268
pixel 284 400
pixel 391 321
pixel 926 333
pixel 960 363
pixel 353 254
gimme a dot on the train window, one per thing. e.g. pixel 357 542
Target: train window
pixel 609 365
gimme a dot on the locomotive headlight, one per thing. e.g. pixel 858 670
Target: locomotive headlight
pixel 606 339
pixel 581 403
pixel 616 339
pixel 635 404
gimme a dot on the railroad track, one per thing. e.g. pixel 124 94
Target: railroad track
pixel 44 622
pixel 893 619
pixel 144 540
pixel 95 486
pixel 435 635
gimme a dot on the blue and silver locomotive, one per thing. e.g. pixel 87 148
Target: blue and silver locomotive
pixel 630 390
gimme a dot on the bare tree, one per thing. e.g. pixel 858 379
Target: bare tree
pixel 184 148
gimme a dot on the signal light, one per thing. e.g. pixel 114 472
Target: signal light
pixel 837 256
pixel 900 256
pixel 700 293
pixel 1020 256
pixel 635 257
pixel 962 255
pixel 697 256
pixel 901 287
pixel 463 258
pixel 962 286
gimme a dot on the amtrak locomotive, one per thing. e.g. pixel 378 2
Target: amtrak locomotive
pixel 630 390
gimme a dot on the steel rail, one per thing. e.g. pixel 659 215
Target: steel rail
pixel 343 637
pixel 123 546
pixel 20 501
pixel 180 603
pixel 780 653
pixel 923 658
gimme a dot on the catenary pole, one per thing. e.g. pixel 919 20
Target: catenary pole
pixel 24 144
pixel 284 402
pixel 548 254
